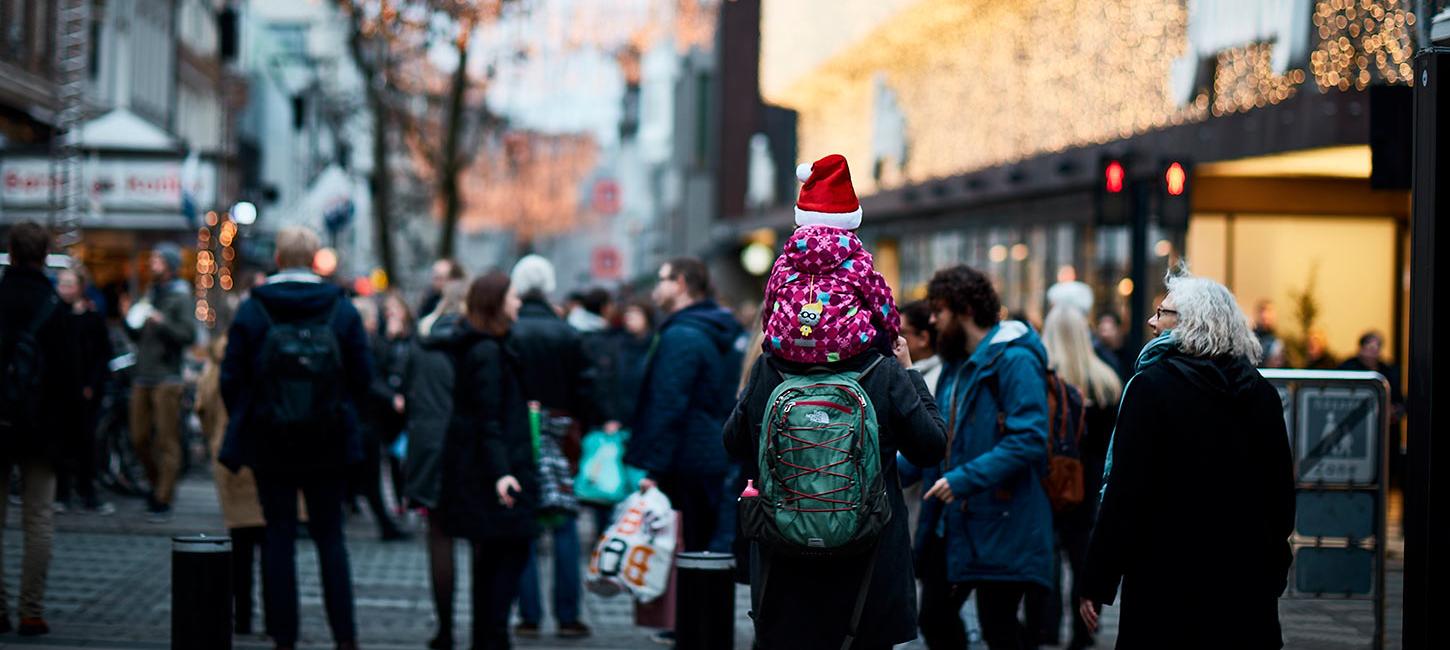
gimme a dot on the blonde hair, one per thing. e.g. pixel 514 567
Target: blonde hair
pixel 1070 351
pixel 452 300
pixel 296 247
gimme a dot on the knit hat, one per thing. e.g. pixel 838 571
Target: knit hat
pixel 827 197
pixel 533 274
pixel 170 254
pixel 1076 295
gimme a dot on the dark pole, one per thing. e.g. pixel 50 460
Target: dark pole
pixel 1142 192
pixel 1424 527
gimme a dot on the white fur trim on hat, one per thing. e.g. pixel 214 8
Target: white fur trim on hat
pixel 844 220
pixel 533 273
pixel 803 172
pixel 1076 295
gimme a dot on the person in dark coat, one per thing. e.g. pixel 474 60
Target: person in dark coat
pixel 490 485
pixel 28 303
pixel 808 603
pixel 77 473
pixel 1371 345
pixel 1195 406
pixel 689 385
pixel 296 295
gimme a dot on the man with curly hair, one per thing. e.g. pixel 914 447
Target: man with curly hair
pixel 986 524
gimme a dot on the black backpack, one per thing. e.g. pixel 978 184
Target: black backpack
pixel 300 392
pixel 22 373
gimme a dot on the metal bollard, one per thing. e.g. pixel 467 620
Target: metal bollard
pixel 705 609
pixel 201 593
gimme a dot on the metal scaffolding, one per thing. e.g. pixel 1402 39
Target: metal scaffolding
pixel 73 27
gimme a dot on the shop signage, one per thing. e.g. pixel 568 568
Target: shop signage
pixel 114 183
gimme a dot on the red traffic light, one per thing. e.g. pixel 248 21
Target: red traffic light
pixel 1113 175
pixel 1176 179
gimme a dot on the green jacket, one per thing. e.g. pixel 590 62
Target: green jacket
pixel 160 346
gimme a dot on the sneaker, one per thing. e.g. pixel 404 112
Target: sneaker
pixel 33 627
pixel 59 507
pixel 664 638
pixel 527 630
pixel 575 630
pixel 160 515
pixel 103 509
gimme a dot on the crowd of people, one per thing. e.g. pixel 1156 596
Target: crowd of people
pixel 985 455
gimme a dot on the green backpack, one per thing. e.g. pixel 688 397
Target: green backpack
pixel 819 457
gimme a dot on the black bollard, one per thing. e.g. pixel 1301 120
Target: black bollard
pixel 201 593
pixel 705 605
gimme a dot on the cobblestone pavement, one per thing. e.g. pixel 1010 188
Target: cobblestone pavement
pixel 110 588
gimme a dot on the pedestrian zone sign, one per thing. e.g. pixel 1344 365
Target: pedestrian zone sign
pixel 1338 435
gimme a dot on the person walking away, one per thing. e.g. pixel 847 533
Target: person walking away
pixel 1079 296
pixel 40 393
pixel 606 345
pixel 77 472
pixel 1371 345
pixel 986 523
pixel 236 491
pixel 1071 353
pixel 687 393
pixel 429 383
pixel 380 414
pixel 490 484
pixel 557 373
pixel 1194 401
pixel 296 369
pixel 399 331
pixel 163 326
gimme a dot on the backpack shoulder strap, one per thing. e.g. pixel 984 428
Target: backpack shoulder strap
pixel 869 367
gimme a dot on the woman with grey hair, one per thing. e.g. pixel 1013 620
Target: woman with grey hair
pixel 1198 494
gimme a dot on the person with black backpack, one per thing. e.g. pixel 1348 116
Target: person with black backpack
pixel 295 369
pixel 40 396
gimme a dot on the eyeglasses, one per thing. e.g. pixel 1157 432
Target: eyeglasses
pixel 1158 312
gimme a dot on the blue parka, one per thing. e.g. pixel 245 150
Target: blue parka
pixel 999 527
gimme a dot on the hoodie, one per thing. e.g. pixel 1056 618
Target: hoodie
pixel 290 296
pixel 824 301
pixel 691 373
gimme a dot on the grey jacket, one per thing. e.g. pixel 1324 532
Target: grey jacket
pixel 161 346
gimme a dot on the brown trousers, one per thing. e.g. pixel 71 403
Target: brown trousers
pixel 37 478
pixel 156 434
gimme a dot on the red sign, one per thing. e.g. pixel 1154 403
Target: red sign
pixel 605 198
pixel 607 264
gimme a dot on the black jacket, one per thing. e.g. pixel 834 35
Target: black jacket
pixel 808 602
pixel 22 292
pixel 555 370
pixel 487 439
pixel 381 422
pixel 1197 509
pixel 619 370
pixel 686 395
pixel 428 380
pixel 289 301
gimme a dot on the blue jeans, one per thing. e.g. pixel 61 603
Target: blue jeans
pixel 324 495
pixel 567 579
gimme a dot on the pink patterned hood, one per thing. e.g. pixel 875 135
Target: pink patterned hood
pixel 824 301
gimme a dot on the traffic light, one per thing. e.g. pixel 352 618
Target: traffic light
pixel 1175 205
pixel 1114 203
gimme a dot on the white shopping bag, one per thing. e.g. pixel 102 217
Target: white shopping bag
pixel 638 551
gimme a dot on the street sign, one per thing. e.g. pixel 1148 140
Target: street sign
pixel 1344 514
pixel 605 199
pixel 1346 571
pixel 1338 435
pixel 606 263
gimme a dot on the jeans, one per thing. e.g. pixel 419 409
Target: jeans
pixel 324 494
pixel 158 408
pixel 567 580
pixel 697 498
pixel 37 479
pixel 941 606
pixel 497 565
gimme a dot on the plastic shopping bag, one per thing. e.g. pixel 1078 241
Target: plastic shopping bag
pixel 603 478
pixel 637 553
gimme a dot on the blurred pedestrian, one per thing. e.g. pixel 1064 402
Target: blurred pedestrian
pixel 430 384
pixel 1195 400
pixel 440 274
pixel 40 394
pixel 490 483
pixel 1067 337
pixel 380 414
pixel 399 333
pixel 1266 318
pixel 866 599
pixel 557 373
pixel 986 524
pixel 1367 358
pixel 1079 296
pixel 1110 332
pixel 1316 351
pixel 605 343
pixel 296 369
pixel 163 326
pixel 688 390
pixel 77 471
pixel 920 338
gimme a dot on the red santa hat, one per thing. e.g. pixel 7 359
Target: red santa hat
pixel 827 197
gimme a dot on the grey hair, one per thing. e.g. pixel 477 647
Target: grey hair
pixel 1210 322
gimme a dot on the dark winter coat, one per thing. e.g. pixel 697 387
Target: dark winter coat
pixel 160 347
pixel 1197 508
pixel 999 528
pixel 808 602
pixel 429 381
pixel 381 422
pixel 22 292
pixel 487 439
pixel 290 297
pixel 556 372
pixel 687 392
pixel 619 368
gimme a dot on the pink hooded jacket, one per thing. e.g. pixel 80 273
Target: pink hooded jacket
pixel 824 301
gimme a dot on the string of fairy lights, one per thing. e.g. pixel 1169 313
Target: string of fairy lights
pixel 215 259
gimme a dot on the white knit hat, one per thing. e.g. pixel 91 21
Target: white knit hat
pixel 1071 294
pixel 532 274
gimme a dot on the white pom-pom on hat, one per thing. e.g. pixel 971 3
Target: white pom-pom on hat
pixel 803 172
